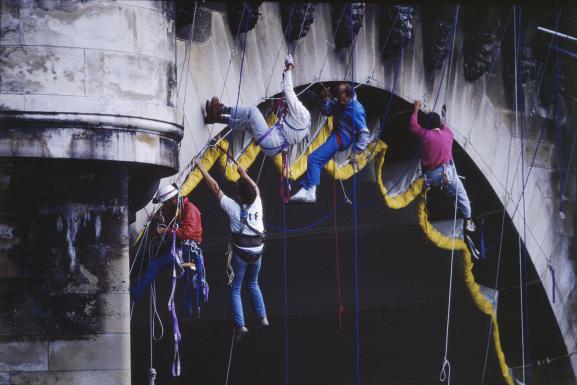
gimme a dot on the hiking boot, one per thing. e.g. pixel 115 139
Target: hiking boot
pixel 305 195
pixel 239 333
pixel 262 322
pixel 213 110
pixel 470 225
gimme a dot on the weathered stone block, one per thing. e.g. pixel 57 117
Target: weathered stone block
pixel 92 24
pixel 10 102
pixel 4 378
pixel 122 76
pixel 10 22
pixel 154 34
pixel 97 352
pixel 42 70
pixel 84 105
pixel 100 377
pixel 25 355
pixel 545 154
pixel 153 5
pixel 114 313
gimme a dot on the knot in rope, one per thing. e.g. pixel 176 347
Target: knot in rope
pixel 445 374
pixel 151 376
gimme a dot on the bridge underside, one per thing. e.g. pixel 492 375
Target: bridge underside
pixel 403 290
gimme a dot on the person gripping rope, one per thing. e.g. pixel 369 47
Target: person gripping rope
pixel 437 160
pixel 349 122
pixel 186 225
pixel 292 126
pixel 246 245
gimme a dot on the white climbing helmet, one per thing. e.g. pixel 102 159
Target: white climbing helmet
pixel 165 193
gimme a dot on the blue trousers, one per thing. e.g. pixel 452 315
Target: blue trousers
pixel 164 261
pixel 434 177
pixel 249 271
pixel 321 156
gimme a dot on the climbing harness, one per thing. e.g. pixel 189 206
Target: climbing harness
pixel 238 243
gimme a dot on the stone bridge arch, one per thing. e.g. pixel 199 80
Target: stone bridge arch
pixel 482 119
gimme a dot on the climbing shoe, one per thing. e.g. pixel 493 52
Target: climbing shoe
pixel 213 110
pixel 305 195
pixel 239 333
pixel 262 322
pixel 470 225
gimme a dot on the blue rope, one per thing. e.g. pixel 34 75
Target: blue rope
pixel 541 130
pixel 566 52
pixel 355 222
pixel 285 303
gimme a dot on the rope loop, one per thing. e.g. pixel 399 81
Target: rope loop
pixel 445 374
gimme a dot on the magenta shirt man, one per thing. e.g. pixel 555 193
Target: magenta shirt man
pixel 437 161
pixel 437 147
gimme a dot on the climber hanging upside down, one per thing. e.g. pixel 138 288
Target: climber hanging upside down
pixel 292 127
pixel 437 160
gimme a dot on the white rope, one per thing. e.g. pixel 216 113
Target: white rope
pixel 450 64
pixel 186 59
pixel 229 358
pixel 517 130
pixel 156 314
pixel 445 374
pixel 318 77
pixel 261 167
pixel 301 30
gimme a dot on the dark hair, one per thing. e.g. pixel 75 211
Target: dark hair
pixel 246 192
pixel 347 88
pixel 432 120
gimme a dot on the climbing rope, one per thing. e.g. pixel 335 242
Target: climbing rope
pixel 279 49
pixel 285 292
pixel 229 358
pixel 445 374
pixel 355 223
pixel 521 281
pixel 340 308
pixel 318 77
pixel 301 30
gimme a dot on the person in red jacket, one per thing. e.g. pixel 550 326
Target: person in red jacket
pixel 185 223
pixel 437 160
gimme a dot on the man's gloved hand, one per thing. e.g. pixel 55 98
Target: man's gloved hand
pixel 288 62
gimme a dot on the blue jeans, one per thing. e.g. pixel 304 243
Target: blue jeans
pixel 164 261
pixel 434 177
pixel 250 270
pixel 321 156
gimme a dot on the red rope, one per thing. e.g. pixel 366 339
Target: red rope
pixel 341 309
